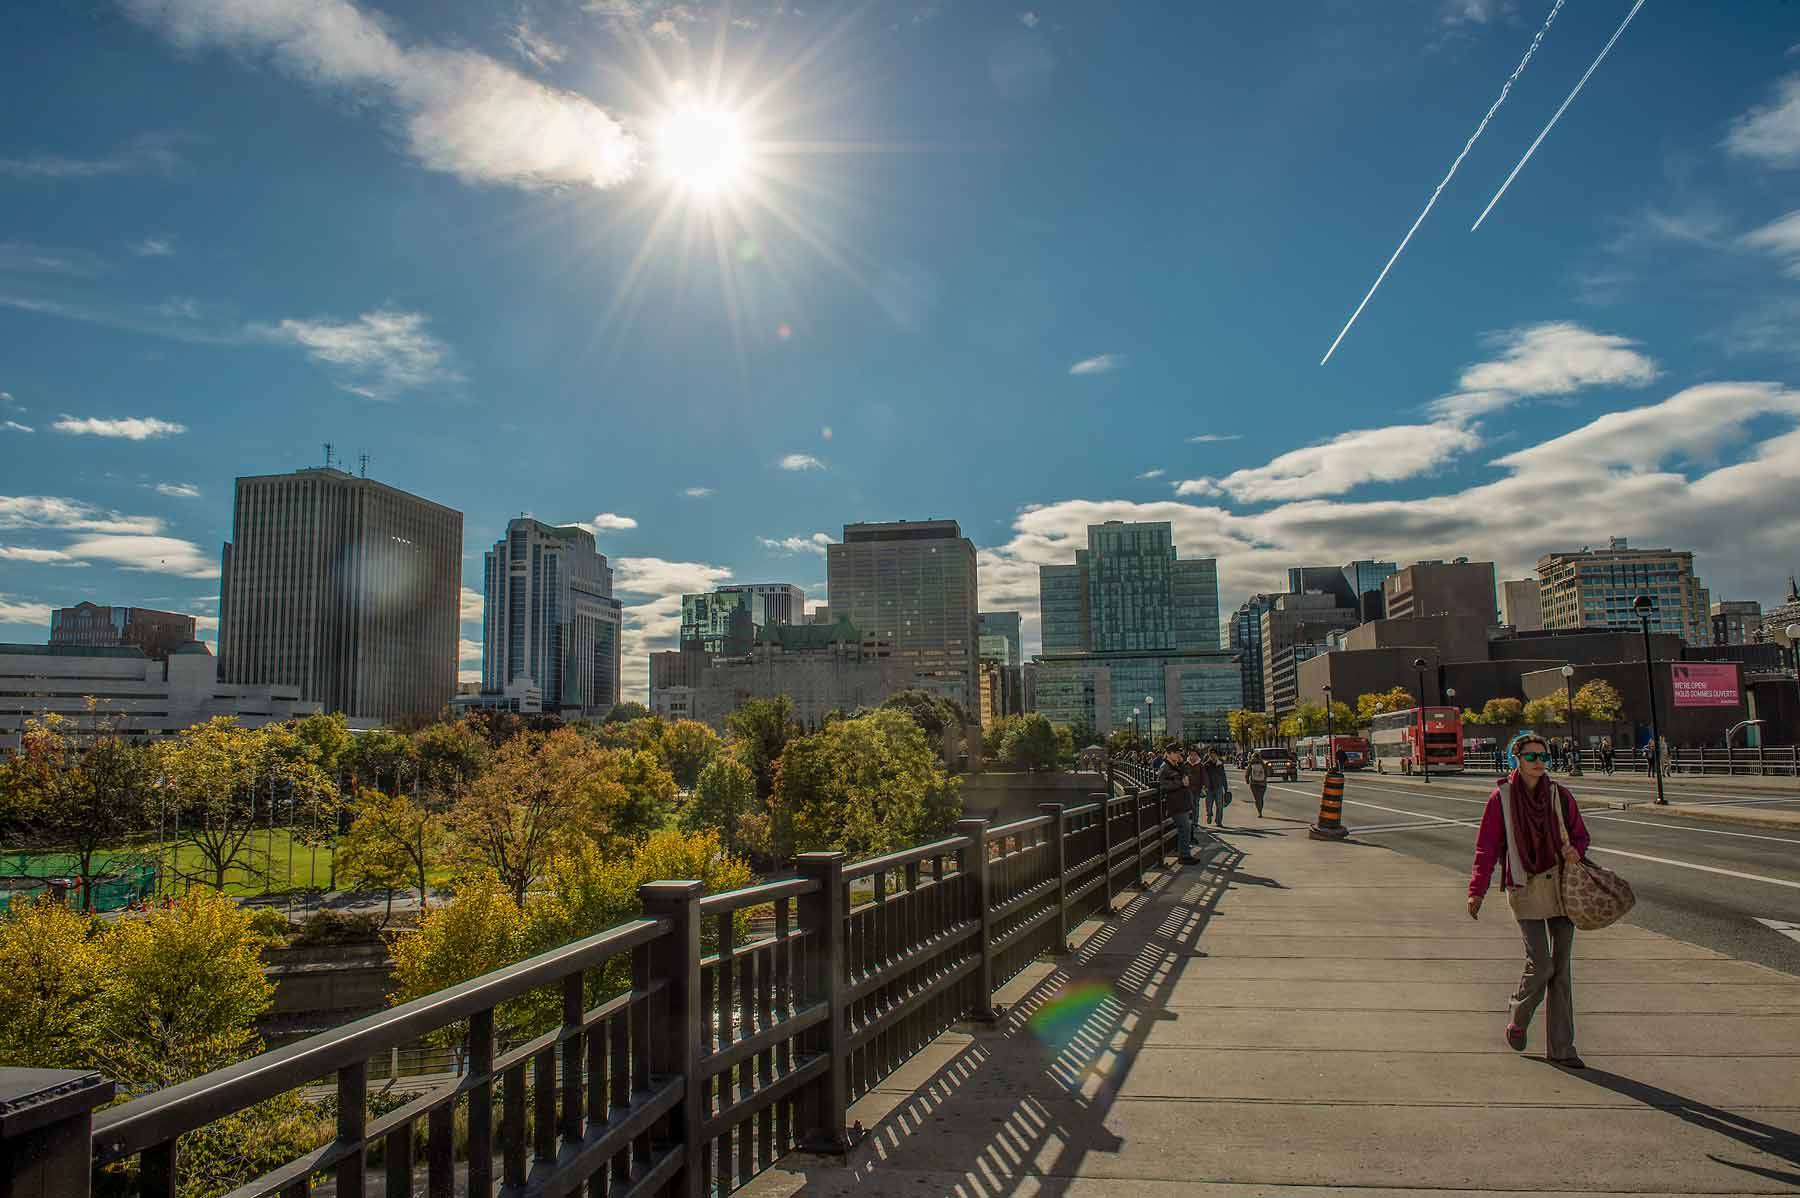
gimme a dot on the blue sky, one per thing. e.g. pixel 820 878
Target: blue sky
pixel 1027 266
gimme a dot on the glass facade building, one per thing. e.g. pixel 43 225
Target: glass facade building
pixel 911 584
pixel 550 618
pixel 1004 625
pixel 1246 641
pixel 1595 588
pixel 711 618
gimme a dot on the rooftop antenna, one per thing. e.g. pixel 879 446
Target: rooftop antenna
pixel 327 455
pixel 362 460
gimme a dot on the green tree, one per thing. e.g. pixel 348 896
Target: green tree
pixel 626 711
pixel 864 785
pixel 528 804
pixel 218 776
pixel 1247 727
pixel 724 795
pixel 1502 711
pixel 933 713
pixel 1123 740
pixel 1599 701
pixel 648 795
pixel 50 967
pixel 1309 719
pixel 392 843
pixel 81 802
pixel 450 756
pixel 380 759
pixel 1470 716
pixel 1343 718
pixel 1551 709
pixel 1031 744
pixel 327 736
pixel 478 931
pixel 644 733
pixel 688 747
pixel 757 733
pixel 1368 706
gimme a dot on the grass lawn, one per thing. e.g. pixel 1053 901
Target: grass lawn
pixel 291 864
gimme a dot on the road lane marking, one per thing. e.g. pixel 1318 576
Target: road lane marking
pixel 1418 815
pixel 1790 930
pixel 1461 823
pixel 1708 869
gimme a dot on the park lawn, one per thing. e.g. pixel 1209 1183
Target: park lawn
pixel 290 862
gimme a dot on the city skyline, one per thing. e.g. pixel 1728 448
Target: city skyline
pixel 1142 335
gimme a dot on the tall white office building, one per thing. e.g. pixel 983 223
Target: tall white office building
pixel 550 618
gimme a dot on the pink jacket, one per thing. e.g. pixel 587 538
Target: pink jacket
pixel 1490 842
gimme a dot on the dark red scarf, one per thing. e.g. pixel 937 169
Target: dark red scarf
pixel 1534 823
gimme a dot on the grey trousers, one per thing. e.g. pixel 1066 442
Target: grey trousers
pixel 1549 945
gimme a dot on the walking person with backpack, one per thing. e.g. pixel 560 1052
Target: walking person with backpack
pixel 1256 776
pixel 1532 829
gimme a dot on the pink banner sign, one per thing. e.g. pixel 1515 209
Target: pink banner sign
pixel 1705 685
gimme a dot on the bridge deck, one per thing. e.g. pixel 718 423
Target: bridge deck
pixel 1297 1016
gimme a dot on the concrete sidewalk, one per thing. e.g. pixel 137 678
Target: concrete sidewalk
pixel 1326 1016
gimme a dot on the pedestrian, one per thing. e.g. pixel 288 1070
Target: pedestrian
pixel 1256 776
pixel 1193 775
pixel 1172 787
pixel 1652 759
pixel 1532 828
pixel 1606 755
pixel 1218 791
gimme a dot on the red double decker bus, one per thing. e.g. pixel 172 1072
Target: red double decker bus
pixel 1351 752
pixel 1404 742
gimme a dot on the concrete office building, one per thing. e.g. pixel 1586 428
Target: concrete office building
pixel 1520 606
pixel 725 620
pixel 1356 585
pixel 911 585
pixel 1296 620
pixel 141 697
pixel 1595 588
pixel 673 670
pixel 822 669
pixel 551 620
pixel 157 633
pixel 344 587
pixel 1460 588
pixel 1736 621
pixel 1001 629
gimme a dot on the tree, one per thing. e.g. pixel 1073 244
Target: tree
pixel 724 794
pixel 1368 706
pixel 215 773
pixel 50 967
pixel 648 793
pixel 626 711
pixel 1599 701
pixel 1502 711
pixel 933 713
pixel 757 733
pixel 1123 740
pixel 476 932
pixel 326 735
pixel 994 735
pixel 688 747
pixel 81 802
pixel 393 842
pixel 381 759
pixel 525 807
pixel 1309 719
pixel 1470 716
pixel 1247 727
pixel 1031 744
pixel 450 756
pixel 864 785
pixel 1551 709
pixel 645 733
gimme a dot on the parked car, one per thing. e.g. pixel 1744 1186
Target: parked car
pixel 1282 764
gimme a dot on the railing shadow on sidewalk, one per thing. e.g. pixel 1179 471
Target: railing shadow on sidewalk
pixel 1763 1137
pixel 1067 1095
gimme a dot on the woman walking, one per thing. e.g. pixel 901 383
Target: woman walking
pixel 1532 828
pixel 1218 791
pixel 1256 776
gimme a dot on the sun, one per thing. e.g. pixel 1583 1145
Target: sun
pixel 703 150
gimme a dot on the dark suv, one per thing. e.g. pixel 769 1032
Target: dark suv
pixel 1282 763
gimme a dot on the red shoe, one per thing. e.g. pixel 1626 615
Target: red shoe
pixel 1515 1037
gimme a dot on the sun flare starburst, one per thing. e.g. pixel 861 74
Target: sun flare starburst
pixel 703 150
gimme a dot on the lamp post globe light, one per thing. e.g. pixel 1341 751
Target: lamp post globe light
pixel 1643 605
pixel 1134 728
pixel 1568 673
pixel 1424 759
pixel 1150 717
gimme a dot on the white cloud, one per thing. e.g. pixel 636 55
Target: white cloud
pixel 1098 364
pixel 158 555
pixel 152 152
pixel 606 520
pixel 468 652
pixel 179 307
pixel 73 515
pixel 19 611
pixel 1346 461
pixel 468 676
pixel 459 112
pixel 1555 358
pixel 1780 239
pixel 131 428
pixel 7 397
pixel 657 576
pixel 1028 19
pixel 813 544
pixel 1158 473
pixel 535 47
pixel 380 353
pixel 15 426
pixel 1770 133
pixel 698 492
pixel 154 247
pixel 801 461
pixel 177 490
pixel 472 606
pixel 21 256
pixel 1213 438
pixel 655 622
pixel 21 553
pixel 1468 12
pixel 206 623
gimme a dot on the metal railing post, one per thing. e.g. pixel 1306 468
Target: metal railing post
pixel 1059 861
pixel 974 868
pixel 46 1131
pixel 1137 819
pixel 824 1111
pixel 1106 890
pixel 675 1045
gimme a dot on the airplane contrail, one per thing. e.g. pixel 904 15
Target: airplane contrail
pixel 1439 190
pixel 1565 105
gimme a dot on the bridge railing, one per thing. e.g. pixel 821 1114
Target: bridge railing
pixel 702 1071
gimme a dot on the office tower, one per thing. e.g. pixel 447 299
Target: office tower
pixel 1736 621
pixel 1246 641
pixel 157 633
pixel 1296 620
pixel 912 584
pixel 1356 585
pixel 821 669
pixel 344 587
pixel 725 620
pixel 1000 637
pixel 550 618
pixel 1520 605
pixel 1133 625
pixel 1595 588
pixel 1459 588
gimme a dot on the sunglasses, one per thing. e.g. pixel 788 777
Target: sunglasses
pixel 1544 757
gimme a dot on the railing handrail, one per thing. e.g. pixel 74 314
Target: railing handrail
pixel 755 896
pixel 900 858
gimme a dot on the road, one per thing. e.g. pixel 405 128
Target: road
pixel 1699 880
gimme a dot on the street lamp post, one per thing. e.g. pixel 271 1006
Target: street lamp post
pixel 1135 731
pixel 1424 758
pixel 1330 752
pixel 1568 673
pixel 1150 717
pixel 1643 605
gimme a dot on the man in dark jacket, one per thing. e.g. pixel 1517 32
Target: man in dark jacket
pixel 1171 786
